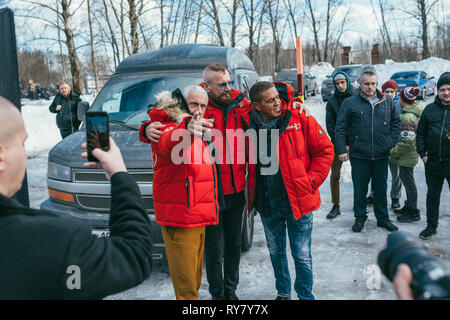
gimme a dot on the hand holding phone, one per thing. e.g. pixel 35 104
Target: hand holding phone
pixel 97 133
pixel 110 161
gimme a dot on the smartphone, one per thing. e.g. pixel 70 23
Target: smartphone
pixel 97 132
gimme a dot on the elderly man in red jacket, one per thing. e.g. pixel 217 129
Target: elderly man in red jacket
pixel 287 196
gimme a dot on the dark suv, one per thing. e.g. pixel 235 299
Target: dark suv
pixel 85 193
pixel 290 77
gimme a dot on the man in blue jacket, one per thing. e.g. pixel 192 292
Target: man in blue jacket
pixel 370 126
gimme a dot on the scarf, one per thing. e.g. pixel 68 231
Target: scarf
pixel 261 123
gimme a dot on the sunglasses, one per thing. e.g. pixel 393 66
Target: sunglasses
pixel 224 85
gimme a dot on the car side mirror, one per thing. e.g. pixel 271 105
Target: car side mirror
pixel 83 107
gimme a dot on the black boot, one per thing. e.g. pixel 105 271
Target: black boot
pixel 334 212
pixel 409 216
pixel 395 203
pixel 388 225
pixel 427 233
pixel 359 224
pixel 402 210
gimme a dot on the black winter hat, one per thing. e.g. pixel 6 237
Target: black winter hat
pixel 443 79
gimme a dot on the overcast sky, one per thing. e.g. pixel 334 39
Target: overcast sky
pixel 361 24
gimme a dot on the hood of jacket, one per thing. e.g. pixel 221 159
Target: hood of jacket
pixel 349 90
pixel 415 108
pixel 167 109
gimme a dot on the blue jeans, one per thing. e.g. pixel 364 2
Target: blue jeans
pixel 299 232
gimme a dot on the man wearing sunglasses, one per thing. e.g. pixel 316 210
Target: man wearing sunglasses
pixel 223 241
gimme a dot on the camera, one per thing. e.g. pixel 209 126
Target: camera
pixel 429 279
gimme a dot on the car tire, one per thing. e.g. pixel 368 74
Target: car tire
pixel 248 221
pixel 424 94
pixel 314 92
pixel 305 94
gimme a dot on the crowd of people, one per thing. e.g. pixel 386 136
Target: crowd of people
pixel 199 203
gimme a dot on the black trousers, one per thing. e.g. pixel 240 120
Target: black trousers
pixel 362 172
pixel 223 248
pixel 435 176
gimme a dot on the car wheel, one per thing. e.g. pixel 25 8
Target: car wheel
pixel 424 94
pixel 248 221
pixel 306 93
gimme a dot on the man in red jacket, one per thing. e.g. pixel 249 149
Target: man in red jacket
pixel 195 183
pixel 223 241
pixel 286 198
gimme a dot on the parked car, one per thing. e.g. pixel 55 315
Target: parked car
pixel 85 193
pixel 290 77
pixel 353 71
pixel 417 79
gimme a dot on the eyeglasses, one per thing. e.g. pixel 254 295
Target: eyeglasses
pixel 224 85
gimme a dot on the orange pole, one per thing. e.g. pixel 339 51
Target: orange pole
pixel 300 70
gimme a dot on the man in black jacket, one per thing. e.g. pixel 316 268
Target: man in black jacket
pixel 370 126
pixel 48 256
pixel 65 106
pixel 433 146
pixel 342 89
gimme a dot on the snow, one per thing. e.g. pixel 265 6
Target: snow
pixel 344 263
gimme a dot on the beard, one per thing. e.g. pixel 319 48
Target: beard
pixel 224 99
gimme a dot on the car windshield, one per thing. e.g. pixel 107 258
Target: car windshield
pixel 404 75
pixel 126 98
pixel 353 72
pixel 286 75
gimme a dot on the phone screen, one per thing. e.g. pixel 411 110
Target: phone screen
pixel 97 132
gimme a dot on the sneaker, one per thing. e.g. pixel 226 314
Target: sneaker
pixel 402 210
pixel 359 224
pixel 427 233
pixel 282 298
pixel 335 211
pixel 388 225
pixel 395 203
pixel 409 216
pixel 369 200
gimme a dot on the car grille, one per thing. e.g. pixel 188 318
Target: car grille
pixel 103 203
pixel 99 177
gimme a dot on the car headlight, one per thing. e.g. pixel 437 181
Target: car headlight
pixel 58 172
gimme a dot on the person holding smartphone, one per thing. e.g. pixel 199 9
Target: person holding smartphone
pixel 48 256
pixel 186 188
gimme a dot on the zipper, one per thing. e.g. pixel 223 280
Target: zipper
pixel 442 132
pixel 187 191
pixel 371 152
pixel 292 147
pixel 215 177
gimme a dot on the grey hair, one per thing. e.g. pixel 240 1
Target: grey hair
pixel 187 90
pixel 369 71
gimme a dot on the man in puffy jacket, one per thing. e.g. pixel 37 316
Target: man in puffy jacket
pixel 65 105
pixel 343 90
pixel 369 124
pixel 433 147
pixel 49 256
pixel 185 186
pixel 286 196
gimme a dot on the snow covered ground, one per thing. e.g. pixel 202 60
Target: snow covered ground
pixel 344 263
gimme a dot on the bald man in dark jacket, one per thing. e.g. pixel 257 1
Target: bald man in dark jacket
pixel 48 256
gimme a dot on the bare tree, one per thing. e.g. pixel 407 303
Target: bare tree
pixel 132 15
pixel 315 28
pixel 253 13
pixel 91 33
pixel 214 13
pixel 421 14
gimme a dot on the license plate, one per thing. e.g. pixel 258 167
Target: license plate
pixel 101 233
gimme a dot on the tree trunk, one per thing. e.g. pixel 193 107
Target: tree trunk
pixel 133 26
pixel 315 30
pixel 217 22
pixel 424 19
pixel 94 66
pixel 75 65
